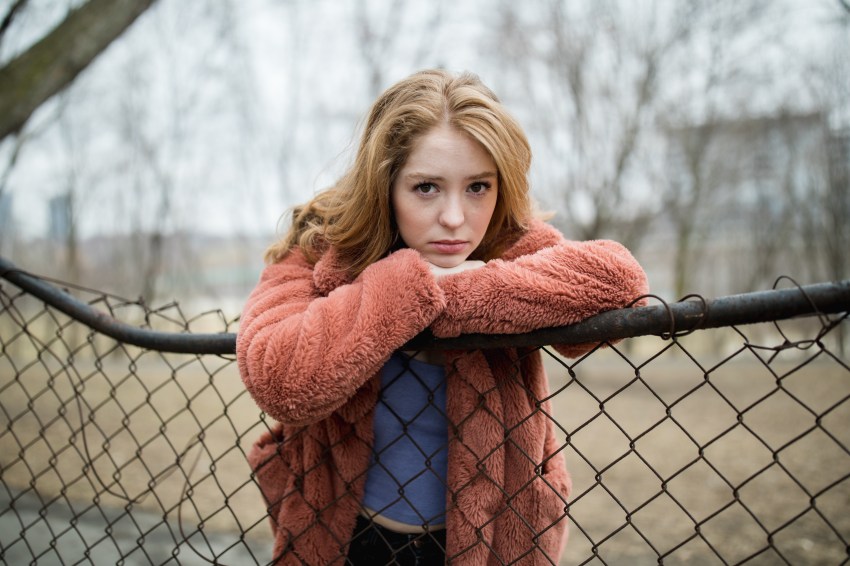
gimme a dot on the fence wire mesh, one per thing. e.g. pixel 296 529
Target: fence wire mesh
pixel 722 446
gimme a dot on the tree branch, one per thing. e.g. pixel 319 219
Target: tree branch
pixel 10 16
pixel 54 62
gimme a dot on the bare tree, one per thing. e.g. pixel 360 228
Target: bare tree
pixel 381 32
pixel 376 39
pixel 165 153
pixel 54 62
pixel 591 72
pixel 10 15
pixel 610 85
pixel 140 149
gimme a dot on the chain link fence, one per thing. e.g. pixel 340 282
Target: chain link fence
pixel 126 428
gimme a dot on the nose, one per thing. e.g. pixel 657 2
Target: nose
pixel 451 213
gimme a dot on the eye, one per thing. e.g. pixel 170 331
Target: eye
pixel 479 188
pixel 425 188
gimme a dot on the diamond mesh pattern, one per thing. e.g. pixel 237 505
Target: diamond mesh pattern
pixel 724 446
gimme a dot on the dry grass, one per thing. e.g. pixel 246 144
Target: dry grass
pixel 721 455
pixel 738 450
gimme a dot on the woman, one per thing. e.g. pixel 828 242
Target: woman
pixel 383 456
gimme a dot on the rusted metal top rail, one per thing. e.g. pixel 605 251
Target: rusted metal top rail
pixel 660 319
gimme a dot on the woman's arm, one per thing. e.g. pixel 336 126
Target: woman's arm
pixel 553 286
pixel 303 355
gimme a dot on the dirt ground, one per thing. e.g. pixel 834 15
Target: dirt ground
pixel 674 455
pixel 701 462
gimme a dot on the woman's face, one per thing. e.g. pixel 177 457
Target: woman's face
pixel 444 196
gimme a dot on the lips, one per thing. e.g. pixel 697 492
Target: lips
pixel 449 246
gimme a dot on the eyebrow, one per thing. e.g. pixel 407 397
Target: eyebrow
pixel 482 175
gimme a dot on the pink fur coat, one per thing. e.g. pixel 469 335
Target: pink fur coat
pixel 310 347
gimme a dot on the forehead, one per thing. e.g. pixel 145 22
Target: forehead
pixel 445 147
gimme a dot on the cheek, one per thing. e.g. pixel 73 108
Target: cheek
pixel 407 217
pixel 397 206
pixel 485 220
pixel 486 213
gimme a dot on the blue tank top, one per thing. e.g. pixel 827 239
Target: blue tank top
pixel 406 480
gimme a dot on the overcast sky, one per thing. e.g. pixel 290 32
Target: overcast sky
pixel 238 110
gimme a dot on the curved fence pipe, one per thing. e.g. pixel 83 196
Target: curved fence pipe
pixel 747 308
pixel 655 320
pixel 175 342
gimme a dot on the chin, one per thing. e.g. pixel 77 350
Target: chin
pixel 446 262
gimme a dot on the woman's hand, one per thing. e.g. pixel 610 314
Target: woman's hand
pixel 466 265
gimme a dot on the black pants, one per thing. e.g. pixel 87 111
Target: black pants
pixel 374 545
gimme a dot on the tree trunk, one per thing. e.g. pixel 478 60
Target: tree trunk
pixel 52 63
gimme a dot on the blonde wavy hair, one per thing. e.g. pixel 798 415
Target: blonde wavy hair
pixel 355 215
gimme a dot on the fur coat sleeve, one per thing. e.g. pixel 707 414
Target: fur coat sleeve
pixel 543 280
pixel 306 343
pixel 310 337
